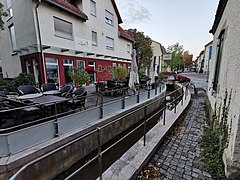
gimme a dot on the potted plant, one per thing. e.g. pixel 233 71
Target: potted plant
pixel 79 76
pixel 119 72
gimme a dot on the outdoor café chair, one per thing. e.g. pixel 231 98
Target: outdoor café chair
pixel 27 89
pixel 49 87
pixel 66 90
pixel 78 98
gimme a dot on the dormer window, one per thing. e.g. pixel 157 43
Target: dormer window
pixel 108 17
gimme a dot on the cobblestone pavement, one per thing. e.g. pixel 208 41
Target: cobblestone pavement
pixel 179 156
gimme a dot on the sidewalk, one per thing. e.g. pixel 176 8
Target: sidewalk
pixel 179 156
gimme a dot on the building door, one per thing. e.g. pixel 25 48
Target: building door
pixel 92 76
pixel 52 70
pixel 67 64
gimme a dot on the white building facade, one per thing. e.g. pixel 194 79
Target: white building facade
pixel 207 57
pixel 224 81
pixel 48 37
pixel 157 59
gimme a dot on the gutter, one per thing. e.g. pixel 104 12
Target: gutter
pixel 40 40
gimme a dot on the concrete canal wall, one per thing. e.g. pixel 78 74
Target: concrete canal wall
pixel 79 142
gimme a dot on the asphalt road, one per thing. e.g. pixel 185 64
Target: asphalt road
pixel 199 80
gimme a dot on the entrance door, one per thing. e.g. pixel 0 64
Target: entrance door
pixel 92 76
pixel 68 64
pixel 52 70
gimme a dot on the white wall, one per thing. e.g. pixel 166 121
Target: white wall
pixel 25 35
pixel 206 58
pixel 158 53
pixel 82 30
pixel 228 81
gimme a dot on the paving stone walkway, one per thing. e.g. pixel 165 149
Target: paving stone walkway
pixel 179 156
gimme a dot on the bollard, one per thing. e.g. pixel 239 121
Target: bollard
pixel 155 89
pixel 148 92
pixel 164 116
pixel 56 121
pixel 123 102
pixel 99 153
pixel 175 108
pixel 101 107
pixel 138 96
pixel 144 125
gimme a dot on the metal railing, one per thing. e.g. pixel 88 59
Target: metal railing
pixel 160 114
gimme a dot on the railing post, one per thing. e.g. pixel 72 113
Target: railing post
pixel 56 121
pixel 182 97
pixel 185 93
pixel 99 153
pixel 138 96
pixel 148 92
pixel 155 89
pixel 164 112
pixel 144 125
pixel 123 102
pixel 101 107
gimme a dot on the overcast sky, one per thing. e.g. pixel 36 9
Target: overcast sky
pixel 169 21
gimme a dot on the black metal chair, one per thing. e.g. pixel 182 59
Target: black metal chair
pixel 143 80
pixel 66 90
pixel 3 94
pixel 27 89
pixel 78 98
pixel 49 87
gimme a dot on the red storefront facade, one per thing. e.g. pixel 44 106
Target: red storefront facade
pixel 55 67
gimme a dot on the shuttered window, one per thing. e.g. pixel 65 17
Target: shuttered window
pixel 94 38
pixel 108 17
pixel 93 8
pixel 109 43
pixel 63 28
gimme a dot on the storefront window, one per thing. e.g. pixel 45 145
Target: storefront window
pixel 80 64
pixel 68 64
pixel 52 70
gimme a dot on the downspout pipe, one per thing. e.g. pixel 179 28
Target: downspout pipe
pixel 40 40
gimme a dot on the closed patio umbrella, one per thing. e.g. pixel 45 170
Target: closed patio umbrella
pixel 134 79
pixel 152 72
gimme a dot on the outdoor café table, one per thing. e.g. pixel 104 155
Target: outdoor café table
pixel 52 92
pixel 30 96
pixel 49 101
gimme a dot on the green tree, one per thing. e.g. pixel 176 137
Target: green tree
pixel 177 52
pixel 2 13
pixel 143 43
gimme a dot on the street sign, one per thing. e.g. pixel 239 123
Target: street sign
pixel 167 57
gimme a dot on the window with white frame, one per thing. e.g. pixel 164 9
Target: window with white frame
pixel 52 70
pixel 94 38
pixel 93 8
pixel 12 37
pixel 108 17
pixel 63 28
pixel 9 8
pixel 80 64
pixel 128 48
pixel 109 43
